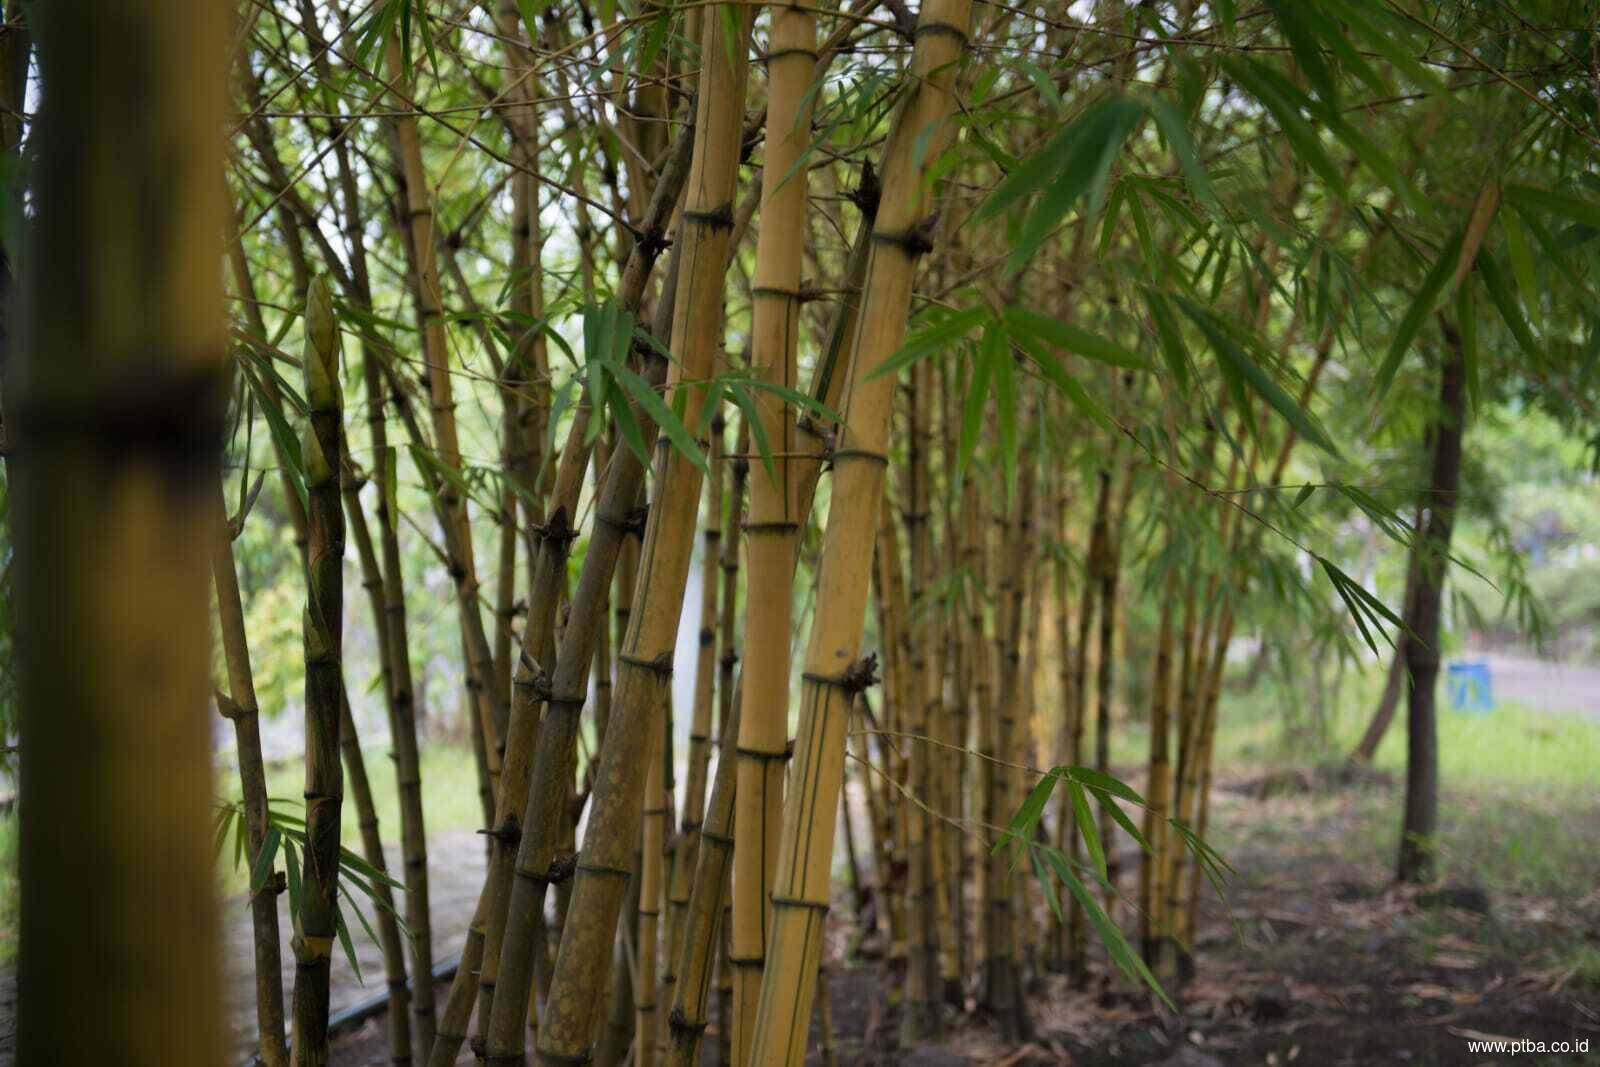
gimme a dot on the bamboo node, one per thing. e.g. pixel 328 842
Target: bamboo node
pixel 660 666
pixel 546 1055
pixel 860 675
pixel 763 757
pixel 819 906
pixel 508 832
pixel 948 29
pixel 227 707
pixel 680 1023
pixel 601 870
pixel 556 529
pixel 783 53
pixel 719 217
pixel 857 453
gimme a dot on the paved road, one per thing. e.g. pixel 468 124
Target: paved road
pixel 1543 685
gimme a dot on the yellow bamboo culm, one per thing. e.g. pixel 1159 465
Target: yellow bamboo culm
pixel 833 671
pixel 772 530
pixel 116 395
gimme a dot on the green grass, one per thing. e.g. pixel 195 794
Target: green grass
pixel 1518 787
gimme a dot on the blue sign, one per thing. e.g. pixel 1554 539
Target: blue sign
pixel 1468 685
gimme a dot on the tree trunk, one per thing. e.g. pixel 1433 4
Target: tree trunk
pixel 1417 830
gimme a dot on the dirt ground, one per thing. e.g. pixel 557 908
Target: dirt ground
pixel 1314 958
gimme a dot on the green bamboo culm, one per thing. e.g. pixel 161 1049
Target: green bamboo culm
pixel 315 921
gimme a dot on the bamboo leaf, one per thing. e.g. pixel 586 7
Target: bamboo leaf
pixel 1068 386
pixel 1121 817
pixel 1105 783
pixel 1066 336
pixel 1116 945
pixel 627 425
pixel 801 400
pixel 994 348
pixel 1087 828
pixel 292 862
pixel 1521 260
pixel 1173 349
pixel 1291 17
pixel 1176 131
pixel 1567 205
pixel 345 943
pixel 1236 359
pixel 262 869
pixel 758 432
pixel 1422 306
pixel 935 338
pixel 1047 885
pixel 283 437
pixel 1494 284
pixel 1285 103
pixel 972 407
pixel 665 418
pixel 1092 144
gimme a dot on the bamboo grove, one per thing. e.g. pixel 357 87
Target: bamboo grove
pixel 989 378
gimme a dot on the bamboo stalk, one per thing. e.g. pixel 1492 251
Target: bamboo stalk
pixel 482 685
pixel 1076 939
pixel 241 709
pixel 1153 864
pixel 689 1016
pixel 645 658
pixel 546 807
pixel 114 420
pixel 833 672
pixel 321 451
pixel 647 946
pixel 526 826
pixel 772 532
pixel 1105 694
pixel 708 905
pixel 921 1017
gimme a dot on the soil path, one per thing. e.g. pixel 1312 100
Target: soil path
pixel 1542 684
